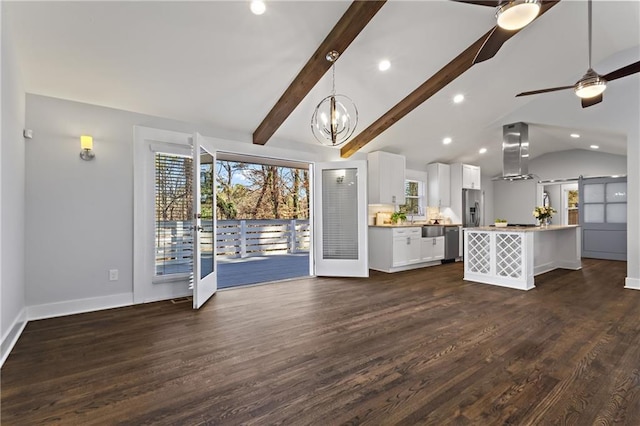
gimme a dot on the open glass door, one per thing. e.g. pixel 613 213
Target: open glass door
pixel 340 219
pixel 205 282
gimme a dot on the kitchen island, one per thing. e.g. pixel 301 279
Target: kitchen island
pixel 512 256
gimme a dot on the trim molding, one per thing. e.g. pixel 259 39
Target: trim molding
pixel 78 306
pixel 632 283
pixel 13 334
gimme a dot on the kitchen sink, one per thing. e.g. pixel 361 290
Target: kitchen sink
pixel 432 231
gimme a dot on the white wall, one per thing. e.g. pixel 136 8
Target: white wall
pixel 12 184
pixel 487 188
pixel 576 162
pixel 81 213
pixel 515 201
pixel 633 207
pixel 555 165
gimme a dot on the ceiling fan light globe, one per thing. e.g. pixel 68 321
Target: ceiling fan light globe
pixel 590 87
pixel 517 14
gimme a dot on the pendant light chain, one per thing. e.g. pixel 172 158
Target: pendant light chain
pixel 589 8
pixel 333 79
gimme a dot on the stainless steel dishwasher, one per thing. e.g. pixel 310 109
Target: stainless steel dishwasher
pixel 451 243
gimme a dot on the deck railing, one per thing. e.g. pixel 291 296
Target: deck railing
pixel 244 238
pixel 234 239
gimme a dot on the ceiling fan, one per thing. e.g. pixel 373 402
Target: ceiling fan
pixel 511 16
pixel 590 87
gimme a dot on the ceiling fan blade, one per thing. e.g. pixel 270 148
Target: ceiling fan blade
pixel 591 101
pixel 623 72
pixel 492 44
pixel 536 92
pixel 499 35
pixel 494 3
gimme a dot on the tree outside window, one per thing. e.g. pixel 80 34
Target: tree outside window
pixel 413 197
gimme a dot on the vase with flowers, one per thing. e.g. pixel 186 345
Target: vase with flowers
pixel 543 214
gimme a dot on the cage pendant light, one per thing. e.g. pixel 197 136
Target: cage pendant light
pixel 335 118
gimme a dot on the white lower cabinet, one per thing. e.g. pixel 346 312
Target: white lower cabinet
pixel 399 249
pixel 406 249
pixel 432 248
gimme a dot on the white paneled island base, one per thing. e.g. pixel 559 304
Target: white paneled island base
pixel 512 256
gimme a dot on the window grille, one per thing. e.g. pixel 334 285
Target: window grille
pixel 413 197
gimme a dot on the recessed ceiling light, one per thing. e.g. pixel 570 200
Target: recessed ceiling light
pixel 574 135
pixel 446 141
pixel 384 65
pixel 458 98
pixel 594 147
pixel 482 150
pixel 258 7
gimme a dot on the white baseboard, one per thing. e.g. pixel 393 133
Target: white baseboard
pixel 11 337
pixel 69 307
pixel 632 283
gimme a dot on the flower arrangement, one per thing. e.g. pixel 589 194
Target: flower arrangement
pixel 543 213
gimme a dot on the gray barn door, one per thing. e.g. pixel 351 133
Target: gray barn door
pixel 603 217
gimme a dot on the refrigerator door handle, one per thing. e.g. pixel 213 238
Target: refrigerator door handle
pixel 477 206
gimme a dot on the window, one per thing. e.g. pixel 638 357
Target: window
pixel 173 214
pixel 414 195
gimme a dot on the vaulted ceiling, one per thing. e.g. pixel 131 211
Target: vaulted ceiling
pixel 216 63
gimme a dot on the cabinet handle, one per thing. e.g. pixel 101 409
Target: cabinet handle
pixel 393 199
pixel 408 241
pixel 434 241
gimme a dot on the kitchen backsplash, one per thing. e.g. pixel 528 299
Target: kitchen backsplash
pixel 433 213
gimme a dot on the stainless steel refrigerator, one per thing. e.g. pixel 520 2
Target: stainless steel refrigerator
pixel 472 207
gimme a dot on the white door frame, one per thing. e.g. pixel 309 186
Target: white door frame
pixel 148 141
pixel 203 286
pixel 342 267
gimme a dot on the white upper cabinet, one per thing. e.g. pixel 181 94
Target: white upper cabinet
pixel 439 184
pixel 386 178
pixel 464 176
pixel 470 176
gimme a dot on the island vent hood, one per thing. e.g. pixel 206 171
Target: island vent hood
pixel 515 152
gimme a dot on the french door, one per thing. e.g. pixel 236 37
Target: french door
pixel 204 278
pixel 340 219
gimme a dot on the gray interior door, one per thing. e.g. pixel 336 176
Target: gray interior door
pixel 603 217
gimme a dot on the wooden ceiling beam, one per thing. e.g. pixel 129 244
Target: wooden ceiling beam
pixel 433 85
pixel 343 33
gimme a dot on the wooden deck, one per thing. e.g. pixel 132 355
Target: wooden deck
pixel 259 269
pixel 417 347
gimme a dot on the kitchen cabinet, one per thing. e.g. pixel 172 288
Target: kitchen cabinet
pixel 393 249
pixel 386 178
pixel 464 176
pixel 439 185
pixel 432 249
pixel 470 176
pixel 406 246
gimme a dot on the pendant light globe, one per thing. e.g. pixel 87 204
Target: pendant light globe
pixel 336 116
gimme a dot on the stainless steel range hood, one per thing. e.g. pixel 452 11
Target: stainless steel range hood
pixel 515 152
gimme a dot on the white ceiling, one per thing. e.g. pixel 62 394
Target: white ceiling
pixel 216 63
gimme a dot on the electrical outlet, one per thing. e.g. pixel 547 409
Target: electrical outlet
pixel 113 275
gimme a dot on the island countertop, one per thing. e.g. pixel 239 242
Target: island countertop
pixel 522 228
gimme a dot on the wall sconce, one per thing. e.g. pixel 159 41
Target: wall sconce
pixel 86 143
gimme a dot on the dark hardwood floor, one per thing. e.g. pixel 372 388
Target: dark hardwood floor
pixel 418 347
